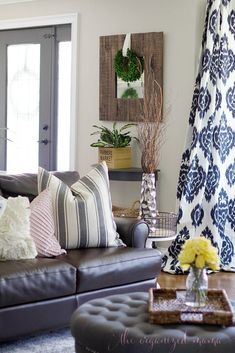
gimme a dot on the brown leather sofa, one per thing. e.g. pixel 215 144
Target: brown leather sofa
pixel 41 294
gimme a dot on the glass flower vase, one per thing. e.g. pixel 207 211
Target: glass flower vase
pixel 196 287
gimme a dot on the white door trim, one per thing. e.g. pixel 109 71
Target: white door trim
pixel 50 21
pixel 4 2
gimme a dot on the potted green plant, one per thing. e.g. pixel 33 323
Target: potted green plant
pixel 114 145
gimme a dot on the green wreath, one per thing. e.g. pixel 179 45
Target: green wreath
pixel 128 68
pixel 130 93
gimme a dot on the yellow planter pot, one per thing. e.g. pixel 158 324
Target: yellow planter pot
pixel 116 157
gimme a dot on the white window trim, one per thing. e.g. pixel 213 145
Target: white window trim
pixel 50 21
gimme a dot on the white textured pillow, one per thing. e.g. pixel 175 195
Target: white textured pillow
pixel 42 226
pixel 3 204
pixel 15 240
pixel 84 220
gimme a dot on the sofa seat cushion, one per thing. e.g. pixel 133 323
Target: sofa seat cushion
pixel 107 267
pixel 27 281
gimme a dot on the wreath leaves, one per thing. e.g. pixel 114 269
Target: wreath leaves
pixel 130 93
pixel 128 68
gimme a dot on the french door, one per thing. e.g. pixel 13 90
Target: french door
pixel 34 98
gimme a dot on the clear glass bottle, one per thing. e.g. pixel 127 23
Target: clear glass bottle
pixel 196 287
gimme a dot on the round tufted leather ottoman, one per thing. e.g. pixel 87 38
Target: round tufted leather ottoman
pixel 119 324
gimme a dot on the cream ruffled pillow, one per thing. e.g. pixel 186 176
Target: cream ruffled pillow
pixel 15 240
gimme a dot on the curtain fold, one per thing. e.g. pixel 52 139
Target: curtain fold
pixel 206 186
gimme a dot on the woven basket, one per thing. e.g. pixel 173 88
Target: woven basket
pixel 132 212
pixel 165 224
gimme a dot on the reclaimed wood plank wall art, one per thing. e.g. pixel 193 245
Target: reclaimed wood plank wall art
pixel 145 45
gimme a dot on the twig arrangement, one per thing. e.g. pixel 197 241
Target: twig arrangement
pixel 151 129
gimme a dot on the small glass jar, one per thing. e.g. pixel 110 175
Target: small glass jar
pixel 196 287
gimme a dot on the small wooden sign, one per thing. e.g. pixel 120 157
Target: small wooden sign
pixel 115 157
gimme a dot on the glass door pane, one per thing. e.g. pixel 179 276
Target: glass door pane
pixel 63 108
pixel 23 85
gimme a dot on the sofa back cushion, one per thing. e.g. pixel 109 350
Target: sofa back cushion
pixel 26 184
pixel 84 220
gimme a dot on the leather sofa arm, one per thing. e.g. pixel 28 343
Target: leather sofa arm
pixel 132 231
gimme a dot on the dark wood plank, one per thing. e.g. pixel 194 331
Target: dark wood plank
pixel 128 174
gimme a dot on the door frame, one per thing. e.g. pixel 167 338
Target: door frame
pixel 72 19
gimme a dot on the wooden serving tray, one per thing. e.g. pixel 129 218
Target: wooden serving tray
pixel 167 306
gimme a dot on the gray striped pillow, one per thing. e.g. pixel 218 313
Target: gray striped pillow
pixel 83 219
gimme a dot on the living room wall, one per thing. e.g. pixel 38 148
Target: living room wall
pixel 181 21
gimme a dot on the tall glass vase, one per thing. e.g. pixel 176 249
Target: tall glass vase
pixel 148 204
pixel 196 287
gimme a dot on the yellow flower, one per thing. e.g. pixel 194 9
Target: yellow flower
pixel 199 252
pixel 200 261
pixel 187 256
pixel 185 267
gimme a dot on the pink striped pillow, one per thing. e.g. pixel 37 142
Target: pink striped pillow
pixel 42 226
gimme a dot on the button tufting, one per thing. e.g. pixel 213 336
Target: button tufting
pixel 136 304
pixel 113 308
pixel 111 318
pixel 94 312
pixel 131 314
pixel 121 324
pixel 146 330
pixel 116 300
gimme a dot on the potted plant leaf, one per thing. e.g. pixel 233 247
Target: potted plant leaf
pixel 114 145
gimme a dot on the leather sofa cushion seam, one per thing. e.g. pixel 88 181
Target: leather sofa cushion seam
pixel 114 263
pixel 35 275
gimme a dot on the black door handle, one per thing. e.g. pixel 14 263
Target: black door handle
pixel 45 127
pixel 44 141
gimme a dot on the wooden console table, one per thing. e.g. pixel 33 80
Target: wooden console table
pixel 129 174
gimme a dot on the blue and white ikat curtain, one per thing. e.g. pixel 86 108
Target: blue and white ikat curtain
pixel 206 187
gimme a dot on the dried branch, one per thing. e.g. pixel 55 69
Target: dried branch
pixel 151 129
